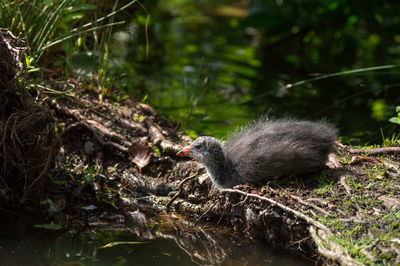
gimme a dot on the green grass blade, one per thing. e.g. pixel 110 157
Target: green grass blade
pixel 336 74
pixel 63 38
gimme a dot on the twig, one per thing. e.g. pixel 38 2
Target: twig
pixel 387 150
pixel 358 158
pixel 180 187
pixel 343 183
pixel 310 204
pixel 299 241
pixel 223 212
pixel 240 202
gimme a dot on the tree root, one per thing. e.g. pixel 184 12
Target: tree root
pixel 97 136
pixel 283 207
pixel 330 249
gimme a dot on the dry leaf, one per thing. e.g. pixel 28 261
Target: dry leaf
pixel 140 153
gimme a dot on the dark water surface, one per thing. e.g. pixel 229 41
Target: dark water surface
pixel 83 249
pixel 211 69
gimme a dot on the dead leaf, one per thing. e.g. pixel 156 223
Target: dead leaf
pixel 140 153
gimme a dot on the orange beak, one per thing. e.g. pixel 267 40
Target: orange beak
pixel 185 151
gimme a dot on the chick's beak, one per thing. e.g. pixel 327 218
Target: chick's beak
pixel 184 152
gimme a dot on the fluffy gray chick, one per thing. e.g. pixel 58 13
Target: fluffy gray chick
pixel 264 150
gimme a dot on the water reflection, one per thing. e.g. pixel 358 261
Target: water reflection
pixel 167 249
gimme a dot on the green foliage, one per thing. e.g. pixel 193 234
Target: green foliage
pixel 37 20
pixel 46 24
pixel 396 119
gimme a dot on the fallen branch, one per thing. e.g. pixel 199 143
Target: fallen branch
pixel 387 150
pixel 112 135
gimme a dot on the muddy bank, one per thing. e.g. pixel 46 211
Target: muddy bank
pixel 124 155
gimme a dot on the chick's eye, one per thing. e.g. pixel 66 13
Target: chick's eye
pixel 197 146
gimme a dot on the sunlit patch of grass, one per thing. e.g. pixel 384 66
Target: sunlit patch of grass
pixel 374 173
pixel 394 140
pixel 332 222
pixel 355 247
pixel 370 228
pixel 355 185
pixel 360 247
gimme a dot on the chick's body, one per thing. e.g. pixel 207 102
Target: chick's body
pixel 264 150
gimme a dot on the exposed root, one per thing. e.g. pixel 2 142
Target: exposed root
pixel 330 249
pixel 283 207
pixel 97 136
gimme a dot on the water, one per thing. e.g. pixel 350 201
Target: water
pixel 84 249
pixel 211 69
